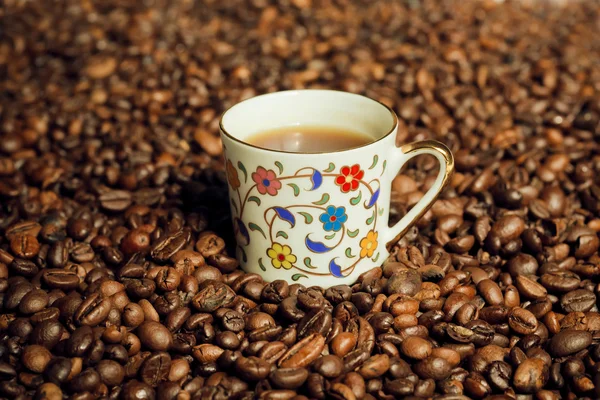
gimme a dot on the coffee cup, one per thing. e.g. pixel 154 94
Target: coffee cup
pixel 318 218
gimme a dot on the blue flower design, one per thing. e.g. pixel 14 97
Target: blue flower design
pixel 333 218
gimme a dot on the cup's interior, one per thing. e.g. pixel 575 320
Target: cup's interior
pixel 327 108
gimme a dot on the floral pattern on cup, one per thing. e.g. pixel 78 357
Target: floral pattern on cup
pixel 368 244
pixel 281 256
pixel 349 178
pixel 232 176
pixel 334 219
pixel 266 181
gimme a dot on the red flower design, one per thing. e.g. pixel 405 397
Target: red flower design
pixel 266 181
pixel 349 178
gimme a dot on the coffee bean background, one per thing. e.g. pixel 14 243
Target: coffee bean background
pixel 116 274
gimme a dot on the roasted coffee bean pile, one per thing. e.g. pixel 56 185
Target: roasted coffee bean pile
pixel 116 275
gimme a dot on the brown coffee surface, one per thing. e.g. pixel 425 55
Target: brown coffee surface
pixel 309 139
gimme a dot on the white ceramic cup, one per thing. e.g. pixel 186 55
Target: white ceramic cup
pixel 318 218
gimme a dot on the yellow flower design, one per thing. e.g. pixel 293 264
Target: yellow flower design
pixel 232 175
pixel 281 256
pixel 368 245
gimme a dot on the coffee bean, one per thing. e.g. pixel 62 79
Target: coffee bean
pixel 272 352
pixel 316 321
pixel 93 310
pixel 303 353
pixel 16 293
pixel 180 368
pixel 30 228
pixel 275 291
pixel 375 366
pixel 252 368
pixel 406 282
pixel 155 368
pixel 508 228
pixel 330 366
pixel 288 309
pixel 61 279
pixel 522 321
pixel 450 355
pixel 212 295
pixel 343 343
pixel 115 200
pixel 111 372
pixel 133 390
pixel 47 333
pixel 267 333
pixel 288 378
pixel 227 340
pixel 80 341
pixel 338 294
pixel 416 348
pixel 522 264
pixel 559 281
pixel 48 391
pixel 531 375
pixel 167 246
pixel 86 381
pixel 233 321
pixel 209 244
pixel 82 252
pixel 36 358
pixel 490 291
pixel 34 301
pixel 207 353
pixel 432 368
pixel 540 307
pixel 530 288
pixel 25 246
pixel 310 299
pixel 568 342
pixel 258 320
pixel 135 241
pixel 577 300
pixel 223 262
pixel 24 267
pixel 155 336
pixel 400 387
pixel 499 375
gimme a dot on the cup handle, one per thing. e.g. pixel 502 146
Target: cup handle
pixel 408 151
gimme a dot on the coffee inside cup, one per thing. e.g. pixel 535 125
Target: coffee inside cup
pixel 308 139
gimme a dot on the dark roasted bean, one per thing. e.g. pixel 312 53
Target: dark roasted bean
pixel 531 375
pixel 167 246
pixel 36 358
pixel 416 348
pixel 316 321
pixel 580 300
pixel 155 368
pixel 288 378
pixel 330 366
pixel 252 368
pixel 304 352
pixel 433 367
pixel 155 336
pixel 522 321
pixel 568 342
